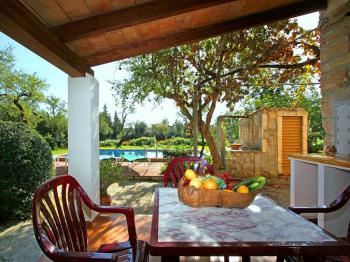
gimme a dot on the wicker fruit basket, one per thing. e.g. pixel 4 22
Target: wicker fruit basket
pixel 199 197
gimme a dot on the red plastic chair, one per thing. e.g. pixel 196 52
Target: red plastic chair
pixel 60 227
pixel 342 198
pixel 178 165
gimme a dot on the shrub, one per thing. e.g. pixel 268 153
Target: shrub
pixel 177 151
pixel 143 141
pixel 108 143
pixel 25 163
pixel 110 172
pixel 177 141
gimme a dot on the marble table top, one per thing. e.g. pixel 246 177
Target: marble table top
pixel 262 221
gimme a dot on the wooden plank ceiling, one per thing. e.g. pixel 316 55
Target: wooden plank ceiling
pixel 75 35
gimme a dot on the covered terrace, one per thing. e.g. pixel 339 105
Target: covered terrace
pixel 77 35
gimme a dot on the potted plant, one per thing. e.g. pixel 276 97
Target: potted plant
pixel 110 172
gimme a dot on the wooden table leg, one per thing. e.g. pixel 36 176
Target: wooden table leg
pixel 170 259
pixel 245 259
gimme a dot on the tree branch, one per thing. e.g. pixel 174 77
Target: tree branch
pixel 211 110
pixel 291 66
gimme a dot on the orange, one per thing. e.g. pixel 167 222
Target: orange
pixel 190 174
pixel 243 189
pixel 196 182
pixel 210 184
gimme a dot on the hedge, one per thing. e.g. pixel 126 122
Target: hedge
pixel 25 163
pixel 143 141
pixel 177 141
pixel 108 143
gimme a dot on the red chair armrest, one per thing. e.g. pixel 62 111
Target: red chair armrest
pixel 300 210
pixel 66 256
pixel 341 199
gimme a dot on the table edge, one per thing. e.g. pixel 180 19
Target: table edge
pixel 290 248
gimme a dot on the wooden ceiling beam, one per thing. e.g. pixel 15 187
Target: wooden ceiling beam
pixel 20 24
pixel 143 47
pixel 131 16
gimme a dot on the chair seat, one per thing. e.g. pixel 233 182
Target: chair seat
pixel 124 250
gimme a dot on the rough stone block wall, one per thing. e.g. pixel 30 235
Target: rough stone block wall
pixel 258 129
pixel 335 61
pixel 260 137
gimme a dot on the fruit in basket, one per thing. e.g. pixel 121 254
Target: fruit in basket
pixel 196 182
pixel 226 176
pixel 242 189
pixel 210 184
pixel 190 174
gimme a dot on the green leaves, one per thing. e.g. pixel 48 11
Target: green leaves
pixel 25 163
pixel 222 69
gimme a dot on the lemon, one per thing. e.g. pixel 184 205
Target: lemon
pixel 243 189
pixel 190 174
pixel 196 182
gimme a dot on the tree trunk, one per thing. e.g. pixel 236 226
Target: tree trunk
pixel 212 147
pixel 195 127
pixel 203 145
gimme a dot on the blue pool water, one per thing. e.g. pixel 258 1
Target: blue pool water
pixel 108 153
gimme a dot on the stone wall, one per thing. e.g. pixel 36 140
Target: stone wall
pixel 250 131
pixel 260 136
pixel 335 61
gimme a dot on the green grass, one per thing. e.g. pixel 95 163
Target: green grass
pixel 59 151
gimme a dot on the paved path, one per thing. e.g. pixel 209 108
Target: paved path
pixel 18 243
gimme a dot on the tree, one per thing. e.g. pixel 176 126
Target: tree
pixel 125 106
pixel 140 129
pixel 105 124
pixel 20 93
pixel 116 125
pixel 221 69
pixel 53 123
pixel 160 130
pixel 178 128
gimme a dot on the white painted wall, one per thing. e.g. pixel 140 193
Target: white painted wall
pixel 83 133
pixel 318 184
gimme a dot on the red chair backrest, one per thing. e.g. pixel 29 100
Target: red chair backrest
pixel 58 217
pixel 178 165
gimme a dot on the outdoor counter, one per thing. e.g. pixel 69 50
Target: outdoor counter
pixel 336 161
pixel 315 181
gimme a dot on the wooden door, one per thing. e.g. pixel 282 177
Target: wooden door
pixel 291 140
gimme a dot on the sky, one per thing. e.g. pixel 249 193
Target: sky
pixel 58 80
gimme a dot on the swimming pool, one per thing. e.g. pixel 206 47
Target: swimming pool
pixel 105 153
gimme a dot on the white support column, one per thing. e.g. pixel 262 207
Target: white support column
pixel 83 133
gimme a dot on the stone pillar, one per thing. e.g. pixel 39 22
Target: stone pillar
pixel 335 61
pixel 83 133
